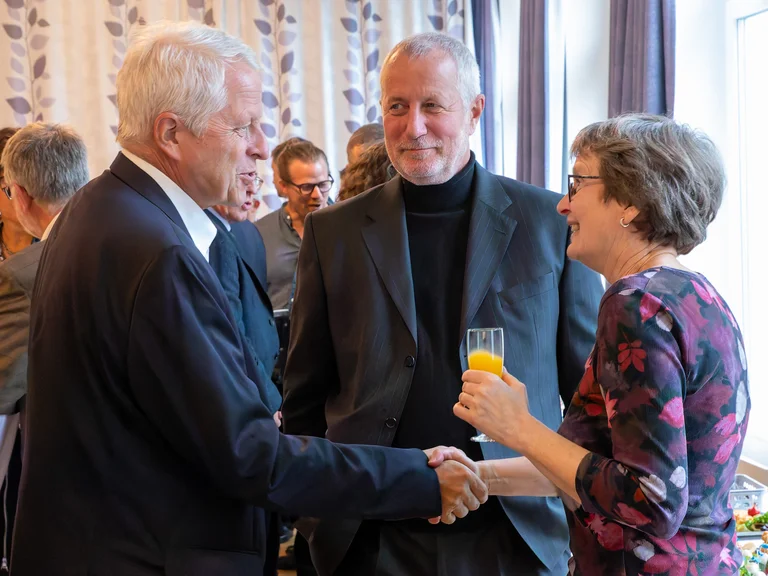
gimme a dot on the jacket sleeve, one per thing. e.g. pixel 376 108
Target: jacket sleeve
pixel 187 372
pixel 642 380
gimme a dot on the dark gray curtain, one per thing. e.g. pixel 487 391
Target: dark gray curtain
pixel 485 52
pixel 642 58
pixel 532 94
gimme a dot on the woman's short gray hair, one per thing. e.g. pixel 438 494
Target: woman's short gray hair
pixel 49 161
pixel 175 67
pixel 420 45
pixel 673 174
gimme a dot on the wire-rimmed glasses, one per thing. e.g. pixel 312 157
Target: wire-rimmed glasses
pixel 575 184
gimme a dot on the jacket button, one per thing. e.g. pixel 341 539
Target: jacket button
pixel 409 361
pixel 391 422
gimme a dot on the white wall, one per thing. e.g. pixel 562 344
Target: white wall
pixel 701 99
pixel 587 45
pixel 508 68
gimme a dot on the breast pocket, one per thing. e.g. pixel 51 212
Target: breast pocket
pixel 529 312
pixel 527 289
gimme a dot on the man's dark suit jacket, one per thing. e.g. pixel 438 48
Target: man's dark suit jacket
pixel 238 258
pixel 150 449
pixel 17 278
pixel 354 340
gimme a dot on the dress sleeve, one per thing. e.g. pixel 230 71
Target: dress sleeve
pixel 642 379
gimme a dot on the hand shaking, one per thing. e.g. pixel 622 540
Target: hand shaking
pixel 461 489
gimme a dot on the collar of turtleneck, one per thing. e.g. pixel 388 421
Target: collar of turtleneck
pixel 448 196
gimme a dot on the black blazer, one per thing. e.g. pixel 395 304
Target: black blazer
pixel 353 327
pixel 149 450
pixel 238 258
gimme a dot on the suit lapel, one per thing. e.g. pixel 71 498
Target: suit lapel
pixel 260 288
pixel 386 237
pixel 237 241
pixel 490 232
pixel 249 257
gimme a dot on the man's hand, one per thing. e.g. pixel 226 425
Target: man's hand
pixel 278 418
pixel 460 489
pixel 440 454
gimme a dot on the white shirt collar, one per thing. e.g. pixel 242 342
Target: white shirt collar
pixel 199 226
pixel 49 227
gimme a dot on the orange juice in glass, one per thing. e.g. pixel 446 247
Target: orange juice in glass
pixel 485 361
pixel 485 351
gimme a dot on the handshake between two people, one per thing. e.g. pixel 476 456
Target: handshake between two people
pixel 499 407
pixel 462 487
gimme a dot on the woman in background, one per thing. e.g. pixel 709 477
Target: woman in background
pixel 368 171
pixel 648 450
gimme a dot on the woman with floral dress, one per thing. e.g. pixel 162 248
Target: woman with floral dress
pixel 649 446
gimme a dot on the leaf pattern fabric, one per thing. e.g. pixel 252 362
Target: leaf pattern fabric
pixel 663 409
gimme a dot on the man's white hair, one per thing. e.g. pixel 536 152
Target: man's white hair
pixel 175 67
pixel 420 45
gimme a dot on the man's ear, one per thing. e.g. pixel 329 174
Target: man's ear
pixel 475 111
pixel 166 132
pixel 21 197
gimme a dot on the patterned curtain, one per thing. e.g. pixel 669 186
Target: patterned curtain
pixel 321 61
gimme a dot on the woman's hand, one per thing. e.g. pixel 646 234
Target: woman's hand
pixel 496 406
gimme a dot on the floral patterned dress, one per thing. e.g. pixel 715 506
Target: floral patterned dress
pixel 663 409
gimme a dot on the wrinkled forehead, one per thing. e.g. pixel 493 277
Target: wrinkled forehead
pixel 586 162
pixel 433 69
pixel 299 169
pixel 243 84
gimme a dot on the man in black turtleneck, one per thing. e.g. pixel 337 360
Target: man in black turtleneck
pixel 389 282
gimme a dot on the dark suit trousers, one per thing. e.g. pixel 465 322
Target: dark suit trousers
pixel 392 549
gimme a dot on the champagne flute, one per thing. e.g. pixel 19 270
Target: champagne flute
pixel 485 351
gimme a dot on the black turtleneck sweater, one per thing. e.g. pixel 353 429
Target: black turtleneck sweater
pixel 437 218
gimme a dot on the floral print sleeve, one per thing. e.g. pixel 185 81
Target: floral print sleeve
pixel 642 382
pixel 662 409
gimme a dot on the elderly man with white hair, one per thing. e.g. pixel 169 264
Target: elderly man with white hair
pixel 388 284
pixel 150 448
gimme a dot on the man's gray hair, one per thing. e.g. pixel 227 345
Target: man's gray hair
pixel 420 45
pixel 49 161
pixel 175 67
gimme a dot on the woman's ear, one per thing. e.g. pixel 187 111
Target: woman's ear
pixel 630 213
